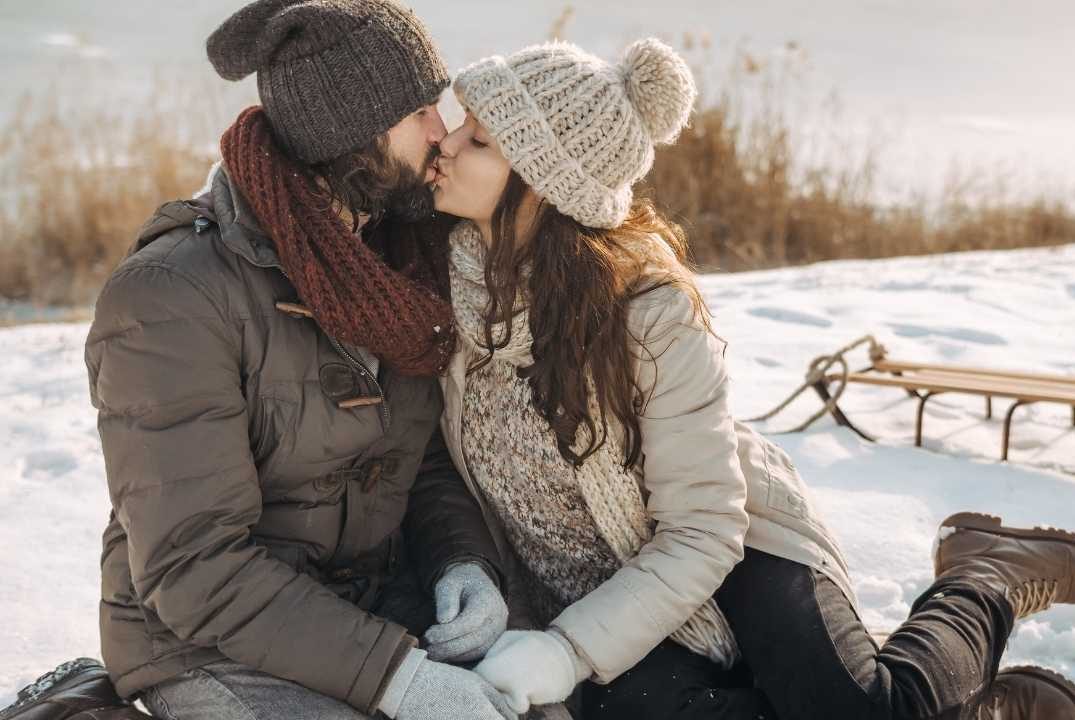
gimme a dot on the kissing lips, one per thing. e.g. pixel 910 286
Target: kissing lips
pixel 438 176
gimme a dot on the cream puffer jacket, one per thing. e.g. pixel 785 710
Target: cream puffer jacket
pixel 712 485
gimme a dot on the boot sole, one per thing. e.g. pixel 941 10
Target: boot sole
pixel 993 524
pixel 1052 677
pixel 81 670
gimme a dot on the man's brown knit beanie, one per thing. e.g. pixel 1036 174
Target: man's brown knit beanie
pixel 332 74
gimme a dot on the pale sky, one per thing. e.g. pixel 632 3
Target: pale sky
pixel 986 81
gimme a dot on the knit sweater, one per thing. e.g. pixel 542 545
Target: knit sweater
pixel 544 514
pixel 571 528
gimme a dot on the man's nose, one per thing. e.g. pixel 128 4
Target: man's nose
pixel 436 130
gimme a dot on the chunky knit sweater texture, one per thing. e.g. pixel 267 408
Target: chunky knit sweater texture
pixel 571 528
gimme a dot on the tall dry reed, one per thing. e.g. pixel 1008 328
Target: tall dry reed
pixel 75 186
pixel 752 193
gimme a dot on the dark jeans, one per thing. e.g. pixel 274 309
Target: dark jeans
pixel 673 682
pixel 807 656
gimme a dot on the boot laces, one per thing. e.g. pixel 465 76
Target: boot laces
pixel 1034 596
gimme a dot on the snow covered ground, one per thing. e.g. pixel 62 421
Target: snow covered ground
pixel 1011 309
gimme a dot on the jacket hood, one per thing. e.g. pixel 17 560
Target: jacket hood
pixel 220 204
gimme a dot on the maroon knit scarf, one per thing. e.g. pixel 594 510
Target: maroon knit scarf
pixel 353 294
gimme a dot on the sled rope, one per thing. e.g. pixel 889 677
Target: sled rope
pixel 817 373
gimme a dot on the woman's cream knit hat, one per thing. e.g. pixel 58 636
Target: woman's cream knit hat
pixel 580 131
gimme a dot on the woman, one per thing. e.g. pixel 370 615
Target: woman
pixel 663 545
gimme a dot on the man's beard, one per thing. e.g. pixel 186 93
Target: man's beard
pixel 412 199
pixel 388 186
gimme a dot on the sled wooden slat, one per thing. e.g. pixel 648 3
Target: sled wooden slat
pixel 1022 381
pixel 903 366
pixel 1027 392
pixel 924 380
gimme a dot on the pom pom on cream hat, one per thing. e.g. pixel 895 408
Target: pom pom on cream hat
pixel 579 130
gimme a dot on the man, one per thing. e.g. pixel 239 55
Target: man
pixel 265 364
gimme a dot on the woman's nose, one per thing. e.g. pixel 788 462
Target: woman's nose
pixel 449 145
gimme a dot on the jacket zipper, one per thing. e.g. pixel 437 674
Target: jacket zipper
pixel 386 416
pixel 361 367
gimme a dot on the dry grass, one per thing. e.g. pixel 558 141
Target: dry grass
pixel 744 209
pixel 75 187
pixel 753 193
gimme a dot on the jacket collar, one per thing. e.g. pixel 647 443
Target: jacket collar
pixel 239 229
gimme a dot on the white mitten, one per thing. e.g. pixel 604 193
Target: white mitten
pixel 532 667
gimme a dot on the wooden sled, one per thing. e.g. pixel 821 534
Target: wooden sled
pixel 924 380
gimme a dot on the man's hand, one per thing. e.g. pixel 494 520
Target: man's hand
pixel 471 614
pixel 425 690
pixel 533 668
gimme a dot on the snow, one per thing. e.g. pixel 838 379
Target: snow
pixel 883 500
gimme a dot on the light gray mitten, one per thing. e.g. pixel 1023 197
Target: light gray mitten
pixel 423 689
pixel 471 614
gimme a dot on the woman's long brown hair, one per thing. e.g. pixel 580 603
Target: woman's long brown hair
pixel 579 282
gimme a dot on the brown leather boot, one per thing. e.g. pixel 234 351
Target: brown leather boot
pixel 76 689
pixel 1032 567
pixel 1028 693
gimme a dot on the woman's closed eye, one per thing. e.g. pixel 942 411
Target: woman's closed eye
pixel 478 143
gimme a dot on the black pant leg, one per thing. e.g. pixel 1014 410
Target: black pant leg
pixel 673 683
pixel 810 666
pixel 812 656
pixel 947 653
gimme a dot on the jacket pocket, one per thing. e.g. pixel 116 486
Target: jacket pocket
pixel 271 422
pixel 291 554
pixel 786 493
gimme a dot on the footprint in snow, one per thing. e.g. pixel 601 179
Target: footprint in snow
pixel 790 316
pixel 965 334
pixel 920 285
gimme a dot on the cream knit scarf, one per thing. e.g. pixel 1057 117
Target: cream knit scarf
pixel 612 494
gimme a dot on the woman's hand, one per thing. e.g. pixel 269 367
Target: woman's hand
pixel 533 668
pixel 471 614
